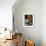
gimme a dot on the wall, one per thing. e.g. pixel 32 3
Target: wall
pixel 6 13
pixel 43 22
pixel 28 6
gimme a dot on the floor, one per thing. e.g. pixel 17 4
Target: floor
pixel 12 42
pixel 9 43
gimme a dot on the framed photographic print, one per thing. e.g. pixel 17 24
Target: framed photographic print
pixel 28 20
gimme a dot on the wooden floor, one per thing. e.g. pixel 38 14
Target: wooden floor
pixel 9 43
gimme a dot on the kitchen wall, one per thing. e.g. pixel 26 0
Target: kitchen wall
pixel 38 8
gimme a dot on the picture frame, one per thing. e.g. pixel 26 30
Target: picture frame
pixel 28 19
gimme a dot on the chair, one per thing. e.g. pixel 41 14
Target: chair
pixel 18 39
pixel 29 43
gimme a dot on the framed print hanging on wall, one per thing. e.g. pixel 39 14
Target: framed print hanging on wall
pixel 28 20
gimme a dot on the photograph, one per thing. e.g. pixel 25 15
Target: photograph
pixel 28 20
